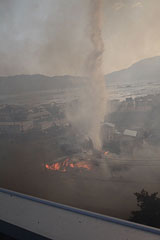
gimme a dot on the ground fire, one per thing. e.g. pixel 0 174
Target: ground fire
pixel 68 164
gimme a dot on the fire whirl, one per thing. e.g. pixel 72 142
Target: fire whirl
pixel 68 164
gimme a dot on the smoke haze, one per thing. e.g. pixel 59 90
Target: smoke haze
pixel 48 35
pixel 57 37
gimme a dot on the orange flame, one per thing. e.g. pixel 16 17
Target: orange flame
pixel 83 165
pixel 62 167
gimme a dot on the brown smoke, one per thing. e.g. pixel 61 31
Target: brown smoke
pixel 89 115
pixel 96 92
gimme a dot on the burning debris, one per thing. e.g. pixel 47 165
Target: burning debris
pixel 82 161
pixel 68 164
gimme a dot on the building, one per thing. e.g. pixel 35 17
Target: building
pixel 128 141
pixel 130 133
pixel 143 104
pixel 9 128
pixel 40 115
pixel 108 131
pixel 26 126
pixel 15 127
pixel 45 125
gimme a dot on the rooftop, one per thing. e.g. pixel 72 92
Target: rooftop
pixel 109 124
pixel 130 133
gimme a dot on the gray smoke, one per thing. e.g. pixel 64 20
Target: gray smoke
pixel 89 115
pixel 96 92
pixel 48 35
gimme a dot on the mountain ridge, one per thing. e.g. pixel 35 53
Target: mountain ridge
pixel 146 70
pixel 143 70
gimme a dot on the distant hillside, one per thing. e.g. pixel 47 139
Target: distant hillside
pixel 30 83
pixel 147 70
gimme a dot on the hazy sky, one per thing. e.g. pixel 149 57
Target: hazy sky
pixel 51 36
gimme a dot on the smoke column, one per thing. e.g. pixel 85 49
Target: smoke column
pixel 96 93
pixel 89 114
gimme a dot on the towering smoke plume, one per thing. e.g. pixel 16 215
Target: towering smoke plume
pixel 89 114
pixel 96 91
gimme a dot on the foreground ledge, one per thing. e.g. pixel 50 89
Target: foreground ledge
pixel 26 217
